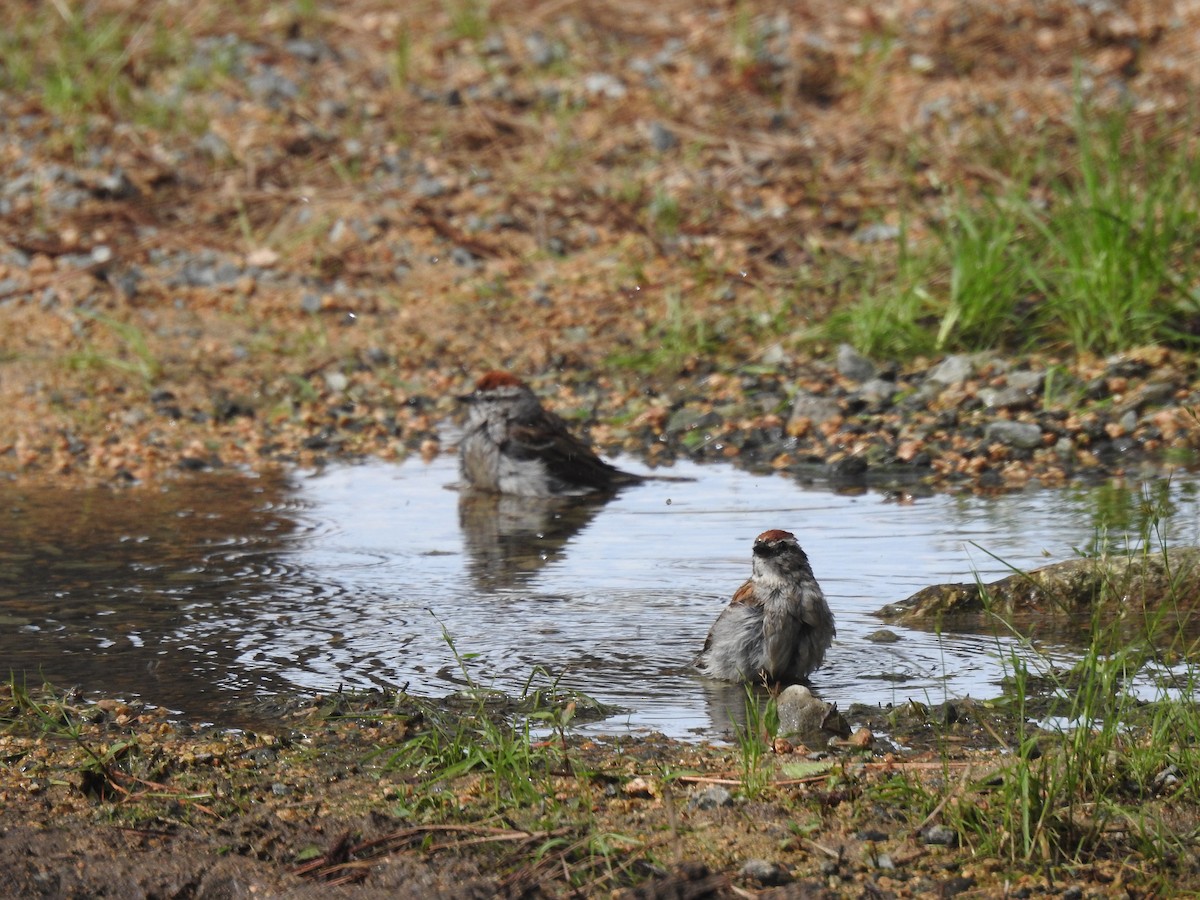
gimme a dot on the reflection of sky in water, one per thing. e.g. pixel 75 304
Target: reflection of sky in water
pixel 622 606
pixel 615 599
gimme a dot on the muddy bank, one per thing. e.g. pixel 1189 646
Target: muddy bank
pixel 368 796
pixel 1142 586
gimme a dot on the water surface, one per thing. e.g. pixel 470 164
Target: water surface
pixel 224 588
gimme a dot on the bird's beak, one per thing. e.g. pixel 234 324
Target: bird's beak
pixel 468 398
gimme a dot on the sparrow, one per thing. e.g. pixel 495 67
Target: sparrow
pixel 778 626
pixel 513 445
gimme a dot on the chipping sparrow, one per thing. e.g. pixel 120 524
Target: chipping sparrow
pixel 778 626
pixel 512 445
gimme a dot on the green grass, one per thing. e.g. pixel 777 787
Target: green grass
pixel 1091 770
pixel 754 741
pixel 52 717
pixel 81 62
pixel 502 742
pixel 680 334
pixel 1090 245
pixel 134 355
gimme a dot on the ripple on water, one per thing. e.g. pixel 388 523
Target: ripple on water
pixel 363 575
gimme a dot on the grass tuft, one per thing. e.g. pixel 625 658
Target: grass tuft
pixel 1096 254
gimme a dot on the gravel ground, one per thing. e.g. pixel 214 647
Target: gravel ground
pixel 243 236
pixel 287 236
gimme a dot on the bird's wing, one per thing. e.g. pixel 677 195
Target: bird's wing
pixel 744 596
pixel 566 457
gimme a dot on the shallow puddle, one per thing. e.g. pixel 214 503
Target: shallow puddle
pixel 223 589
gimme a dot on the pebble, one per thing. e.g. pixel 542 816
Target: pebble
pixel 712 797
pixel 853 365
pixel 543 52
pixel 1168 778
pixel 877 234
pixel 883 636
pixel 953 370
pixel 815 409
pixel 876 394
pixel 662 138
pixel 602 84
pixel 765 872
pixel 429 187
pixel 851 418
pixel 690 418
pixel 803 716
pixel 1023 435
pixel 1004 398
pixel 940 835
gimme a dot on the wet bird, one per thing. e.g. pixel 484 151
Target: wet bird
pixel 513 445
pixel 778 626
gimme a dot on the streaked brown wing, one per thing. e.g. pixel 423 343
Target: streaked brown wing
pixel 566 457
pixel 745 596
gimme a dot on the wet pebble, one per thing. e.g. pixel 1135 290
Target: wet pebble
pixel 690 418
pixel 883 636
pixel 803 716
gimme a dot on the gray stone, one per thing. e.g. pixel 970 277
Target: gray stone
pixel 877 234
pixel 815 409
pixel 853 365
pixel 1004 398
pixel 803 716
pixel 952 370
pixel 877 392
pixel 601 84
pixel 1070 588
pixel 921 63
pixel 883 636
pixel 1030 382
pixel 687 418
pixel 940 835
pixel 711 797
pixel 662 138
pixel 426 186
pixel 543 52
pixel 1022 435
pixel 766 872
